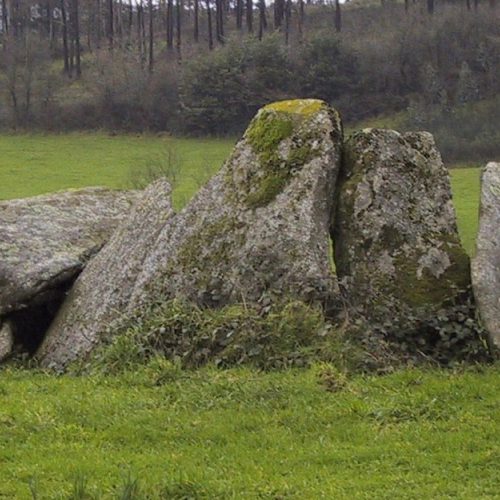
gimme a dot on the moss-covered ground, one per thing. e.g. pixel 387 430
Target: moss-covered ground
pixel 159 432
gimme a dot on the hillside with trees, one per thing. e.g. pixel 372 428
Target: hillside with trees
pixel 203 67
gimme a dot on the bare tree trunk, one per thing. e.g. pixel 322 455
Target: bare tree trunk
pixel 151 36
pixel 250 16
pixel 279 13
pixel 196 30
pixel 221 20
pixel 338 17
pixel 301 18
pixel 430 6
pixel 139 31
pixel 76 37
pixel 179 24
pixel 99 23
pixel 119 18
pixel 64 20
pixel 288 12
pixel 209 21
pixel 143 34
pixel 5 17
pixel 262 18
pixel 71 48
pixel 170 24
pixel 239 14
pixel 218 21
pixel 130 20
pixel 111 25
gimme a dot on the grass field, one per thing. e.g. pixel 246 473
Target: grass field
pixel 159 432
pixel 46 163
pixel 35 164
pixel 243 434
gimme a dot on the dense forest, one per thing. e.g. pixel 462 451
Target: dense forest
pixel 206 66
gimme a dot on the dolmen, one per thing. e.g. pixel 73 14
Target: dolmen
pixel 261 228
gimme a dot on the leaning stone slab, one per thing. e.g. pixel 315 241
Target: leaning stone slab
pixel 101 293
pixel 45 241
pixel 486 263
pixel 396 242
pixel 259 227
pixel 6 339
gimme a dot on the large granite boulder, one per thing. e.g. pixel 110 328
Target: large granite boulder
pixel 47 240
pixel 486 263
pixel 101 293
pixel 259 227
pixel 397 247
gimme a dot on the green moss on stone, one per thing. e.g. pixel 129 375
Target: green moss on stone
pixel 269 187
pixel 208 251
pixel 274 124
pixel 428 290
pixel 305 107
pixel 267 130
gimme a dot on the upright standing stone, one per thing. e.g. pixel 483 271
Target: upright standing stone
pixel 395 235
pixel 486 263
pixel 102 291
pixel 260 226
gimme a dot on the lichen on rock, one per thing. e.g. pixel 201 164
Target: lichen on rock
pixel 47 240
pixel 101 293
pixel 396 241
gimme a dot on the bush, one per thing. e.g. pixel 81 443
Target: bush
pixel 223 90
pixel 270 335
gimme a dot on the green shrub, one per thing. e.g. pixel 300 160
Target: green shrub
pixel 268 335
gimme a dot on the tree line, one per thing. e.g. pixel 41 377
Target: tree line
pixel 205 67
pixel 73 27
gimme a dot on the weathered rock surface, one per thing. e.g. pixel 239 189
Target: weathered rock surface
pixel 47 240
pixel 396 242
pixel 259 226
pixel 486 263
pixel 6 339
pixel 101 293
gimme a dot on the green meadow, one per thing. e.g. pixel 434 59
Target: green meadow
pixel 36 164
pixel 163 433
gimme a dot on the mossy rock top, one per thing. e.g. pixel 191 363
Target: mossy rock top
pixel 303 107
pixel 284 136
